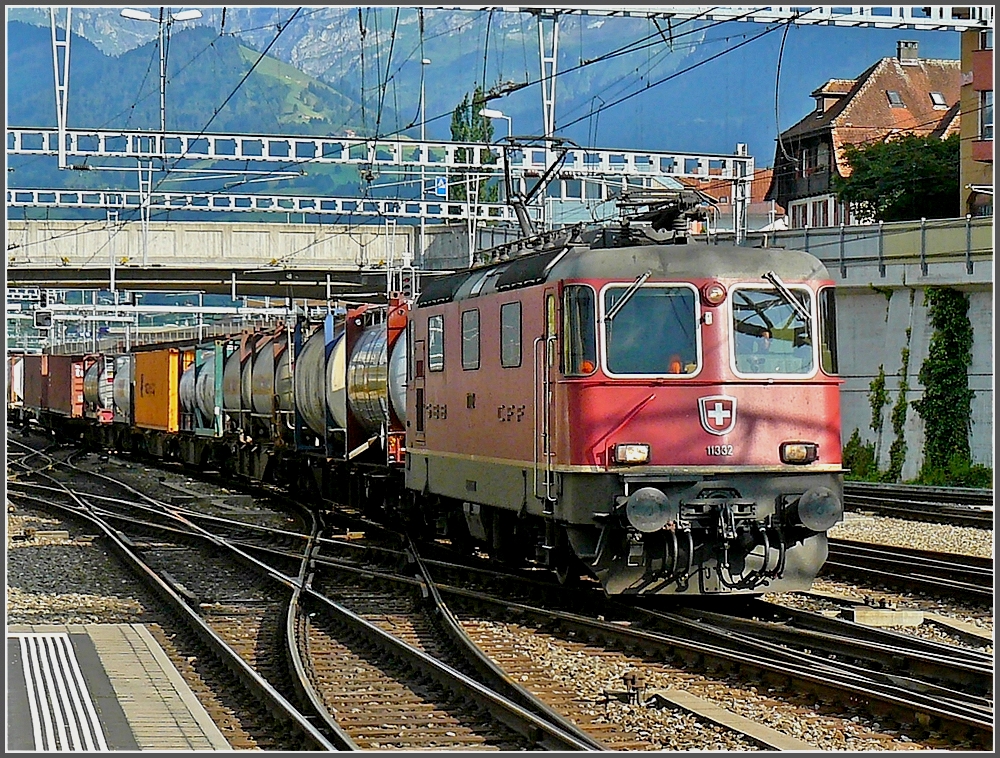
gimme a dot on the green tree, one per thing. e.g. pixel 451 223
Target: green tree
pixel 467 125
pixel 903 179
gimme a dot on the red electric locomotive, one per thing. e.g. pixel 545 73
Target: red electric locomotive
pixel 664 416
pixel 661 415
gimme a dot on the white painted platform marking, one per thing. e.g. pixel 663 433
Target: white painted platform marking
pixel 63 715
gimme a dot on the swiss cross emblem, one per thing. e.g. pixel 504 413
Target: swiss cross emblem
pixel 718 413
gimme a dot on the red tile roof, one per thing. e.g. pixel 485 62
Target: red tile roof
pixel 865 114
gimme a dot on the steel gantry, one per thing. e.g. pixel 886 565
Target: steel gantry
pixel 935 18
pixel 609 170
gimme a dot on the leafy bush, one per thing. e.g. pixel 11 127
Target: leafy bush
pixel 859 457
pixel 959 473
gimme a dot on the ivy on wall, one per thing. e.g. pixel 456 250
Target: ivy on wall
pixel 946 406
pixel 878 398
pixel 897 451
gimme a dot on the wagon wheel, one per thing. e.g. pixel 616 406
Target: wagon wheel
pixel 568 569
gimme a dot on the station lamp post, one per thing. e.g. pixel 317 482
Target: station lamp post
pixel 491 113
pixel 423 163
pixel 162 21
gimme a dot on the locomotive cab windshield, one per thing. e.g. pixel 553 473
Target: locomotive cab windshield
pixel 772 336
pixel 652 332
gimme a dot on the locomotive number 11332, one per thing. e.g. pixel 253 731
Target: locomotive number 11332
pixel 718 449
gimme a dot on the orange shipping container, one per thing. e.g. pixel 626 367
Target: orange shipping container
pixel 157 374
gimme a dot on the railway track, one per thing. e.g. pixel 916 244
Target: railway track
pixel 417 701
pixel 894 676
pixel 923 691
pixel 273 714
pixel 959 506
pixel 943 574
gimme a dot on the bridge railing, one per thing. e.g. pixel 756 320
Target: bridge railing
pixel 959 243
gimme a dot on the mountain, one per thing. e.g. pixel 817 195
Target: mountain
pixel 202 71
pixel 680 96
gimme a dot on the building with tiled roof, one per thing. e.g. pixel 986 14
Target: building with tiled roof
pixel 904 94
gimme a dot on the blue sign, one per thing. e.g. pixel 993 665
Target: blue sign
pixel 441 186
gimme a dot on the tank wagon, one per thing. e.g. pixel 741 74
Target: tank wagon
pixel 664 417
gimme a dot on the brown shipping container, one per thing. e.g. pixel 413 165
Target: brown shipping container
pixel 36 381
pixel 155 393
pixel 66 385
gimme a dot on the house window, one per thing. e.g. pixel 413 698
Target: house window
pixel 470 339
pixel 986 115
pixel 799 217
pixel 939 100
pixel 986 39
pixel 822 157
pixel 895 100
pixel 510 335
pixel 435 343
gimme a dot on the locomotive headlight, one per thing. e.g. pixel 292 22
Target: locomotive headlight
pixel 631 454
pixel 799 452
pixel 713 293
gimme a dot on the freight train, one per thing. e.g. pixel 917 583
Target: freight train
pixel 659 414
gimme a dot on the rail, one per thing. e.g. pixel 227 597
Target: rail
pixel 959 506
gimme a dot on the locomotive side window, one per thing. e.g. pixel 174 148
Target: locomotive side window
pixel 828 330
pixel 771 337
pixel 470 339
pixel 579 339
pixel 653 332
pixel 510 335
pixel 435 343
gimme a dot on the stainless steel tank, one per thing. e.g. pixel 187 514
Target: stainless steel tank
pixel 336 383
pixel 246 383
pixel 123 388
pixel 310 381
pixel 186 390
pixel 368 379
pixel 397 377
pixel 205 386
pixel 262 377
pixel 97 387
pixel 283 388
pixel 231 383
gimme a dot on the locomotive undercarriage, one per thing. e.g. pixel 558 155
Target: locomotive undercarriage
pixel 677 534
pixel 667 534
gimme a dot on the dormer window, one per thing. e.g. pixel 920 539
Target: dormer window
pixel 894 99
pixel 939 100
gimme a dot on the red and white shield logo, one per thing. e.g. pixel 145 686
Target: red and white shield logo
pixel 718 413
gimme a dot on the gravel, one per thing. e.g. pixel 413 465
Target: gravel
pixel 60 580
pixel 921 535
pixel 595 676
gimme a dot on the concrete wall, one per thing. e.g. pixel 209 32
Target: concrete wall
pixel 873 332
